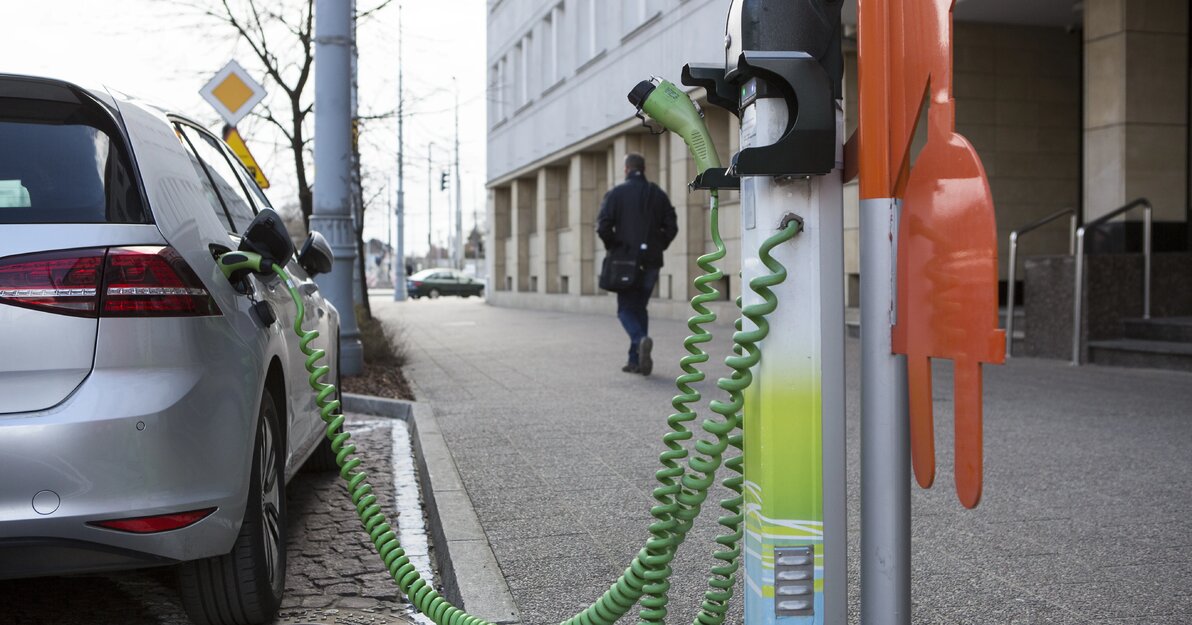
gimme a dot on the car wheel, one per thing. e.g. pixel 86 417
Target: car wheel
pixel 434 294
pixel 323 458
pixel 245 585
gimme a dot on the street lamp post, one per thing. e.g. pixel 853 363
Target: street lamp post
pixel 333 157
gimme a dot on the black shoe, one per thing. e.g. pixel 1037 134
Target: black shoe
pixel 630 369
pixel 643 354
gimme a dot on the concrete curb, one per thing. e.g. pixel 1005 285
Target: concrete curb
pixel 468 570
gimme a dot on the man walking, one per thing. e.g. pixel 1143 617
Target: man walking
pixel 636 215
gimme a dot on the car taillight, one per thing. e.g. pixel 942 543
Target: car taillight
pixel 416 283
pixel 150 281
pixel 61 282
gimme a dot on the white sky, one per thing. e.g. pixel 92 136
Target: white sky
pixel 153 49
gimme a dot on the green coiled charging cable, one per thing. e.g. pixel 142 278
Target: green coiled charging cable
pixel 682 490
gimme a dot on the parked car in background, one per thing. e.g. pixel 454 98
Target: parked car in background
pixel 435 282
pixel 153 412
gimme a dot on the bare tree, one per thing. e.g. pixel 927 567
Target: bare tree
pixel 280 34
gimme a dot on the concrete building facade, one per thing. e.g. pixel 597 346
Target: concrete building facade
pixel 1080 105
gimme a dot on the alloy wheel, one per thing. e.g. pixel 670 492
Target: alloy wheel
pixel 270 489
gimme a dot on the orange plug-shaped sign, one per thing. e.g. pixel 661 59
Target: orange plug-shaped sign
pixel 947 238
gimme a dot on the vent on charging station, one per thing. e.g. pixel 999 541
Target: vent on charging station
pixel 141 281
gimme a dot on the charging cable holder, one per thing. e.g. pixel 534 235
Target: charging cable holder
pixel 710 76
pixel 808 145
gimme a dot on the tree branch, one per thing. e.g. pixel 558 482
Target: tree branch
pixel 268 116
pixel 361 15
pixel 271 68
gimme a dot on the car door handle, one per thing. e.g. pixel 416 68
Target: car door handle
pixel 308 288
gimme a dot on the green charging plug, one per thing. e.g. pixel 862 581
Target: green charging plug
pixel 671 107
pixel 236 265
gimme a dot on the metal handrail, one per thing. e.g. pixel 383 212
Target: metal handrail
pixel 1078 290
pixel 1012 271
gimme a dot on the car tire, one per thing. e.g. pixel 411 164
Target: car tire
pixel 434 294
pixel 323 458
pixel 245 585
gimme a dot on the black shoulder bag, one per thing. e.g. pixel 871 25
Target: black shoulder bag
pixel 620 270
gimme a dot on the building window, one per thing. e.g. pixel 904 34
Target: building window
pixel 590 29
pixel 494 91
pixel 524 70
pixel 517 77
pixel 553 23
pixel 635 13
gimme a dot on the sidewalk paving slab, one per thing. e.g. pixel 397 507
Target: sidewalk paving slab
pixel 1087 513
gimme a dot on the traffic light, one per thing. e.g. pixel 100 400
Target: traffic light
pixel 443 181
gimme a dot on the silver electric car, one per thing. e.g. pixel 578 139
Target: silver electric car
pixel 151 411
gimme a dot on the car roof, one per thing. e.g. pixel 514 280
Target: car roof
pixel 110 96
pixel 427 272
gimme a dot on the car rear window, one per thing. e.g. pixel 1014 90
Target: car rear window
pixel 62 161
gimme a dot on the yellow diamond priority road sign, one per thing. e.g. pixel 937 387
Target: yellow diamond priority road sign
pixel 236 142
pixel 233 93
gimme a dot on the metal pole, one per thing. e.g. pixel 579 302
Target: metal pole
pixel 459 228
pixel 360 280
pixel 1011 278
pixel 430 202
pixel 885 433
pixel 1146 260
pixel 333 157
pixel 399 274
pixel 1077 296
pixel 389 224
pixel 1072 234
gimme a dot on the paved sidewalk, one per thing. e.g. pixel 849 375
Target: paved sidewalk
pixel 1087 514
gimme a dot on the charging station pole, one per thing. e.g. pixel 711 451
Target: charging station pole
pixel 785 56
pixel 794 412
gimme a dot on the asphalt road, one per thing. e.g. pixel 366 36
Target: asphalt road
pixel 1086 517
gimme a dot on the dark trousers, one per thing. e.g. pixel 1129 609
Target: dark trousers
pixel 631 310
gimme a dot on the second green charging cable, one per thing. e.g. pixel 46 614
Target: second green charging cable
pixel 681 493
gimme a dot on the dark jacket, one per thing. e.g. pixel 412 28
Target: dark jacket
pixel 636 212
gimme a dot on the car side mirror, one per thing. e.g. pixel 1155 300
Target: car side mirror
pixel 315 257
pixel 267 236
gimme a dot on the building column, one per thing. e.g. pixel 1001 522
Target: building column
pixel 551 184
pixel 689 215
pixel 522 201
pixel 1135 114
pixel 571 256
pixel 589 183
pixel 499 216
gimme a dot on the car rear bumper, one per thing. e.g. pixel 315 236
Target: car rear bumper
pixel 131 441
pixel 36 557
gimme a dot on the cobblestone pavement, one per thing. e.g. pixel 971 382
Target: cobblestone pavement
pixel 333 574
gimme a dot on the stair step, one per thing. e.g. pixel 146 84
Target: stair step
pixel 1142 353
pixel 1019 316
pixel 1177 329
